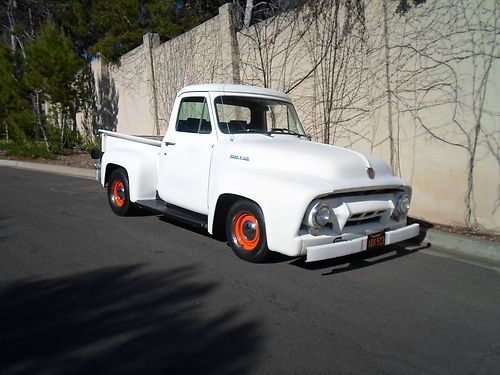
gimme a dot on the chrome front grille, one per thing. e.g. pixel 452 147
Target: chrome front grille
pixel 366 215
pixel 365 218
pixel 358 212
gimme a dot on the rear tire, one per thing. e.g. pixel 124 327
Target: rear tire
pixel 246 231
pixel 118 193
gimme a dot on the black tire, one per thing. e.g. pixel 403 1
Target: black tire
pixel 118 193
pixel 246 231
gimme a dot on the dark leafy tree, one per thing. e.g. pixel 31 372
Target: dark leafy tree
pixel 52 68
pixel 405 5
pixel 113 28
pixel 15 114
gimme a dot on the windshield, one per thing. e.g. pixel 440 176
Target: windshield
pixel 243 114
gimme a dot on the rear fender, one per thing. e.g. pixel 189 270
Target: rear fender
pixel 140 167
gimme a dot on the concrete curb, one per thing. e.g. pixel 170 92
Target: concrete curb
pixel 468 246
pixel 51 168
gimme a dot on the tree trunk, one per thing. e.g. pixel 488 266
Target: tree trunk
pixel 389 90
pixel 36 103
pixel 153 86
pixel 11 5
pixel 248 13
pixel 63 128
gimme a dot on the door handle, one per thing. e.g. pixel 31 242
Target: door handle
pixel 169 143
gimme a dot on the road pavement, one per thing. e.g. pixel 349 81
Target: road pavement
pixel 83 291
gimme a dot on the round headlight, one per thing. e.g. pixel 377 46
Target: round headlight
pixel 321 214
pixel 403 205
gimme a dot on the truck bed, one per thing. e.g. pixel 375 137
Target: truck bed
pixel 148 140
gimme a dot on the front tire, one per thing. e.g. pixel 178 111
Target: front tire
pixel 246 231
pixel 118 193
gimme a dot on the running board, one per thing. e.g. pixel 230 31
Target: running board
pixel 174 212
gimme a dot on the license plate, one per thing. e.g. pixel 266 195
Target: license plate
pixel 375 240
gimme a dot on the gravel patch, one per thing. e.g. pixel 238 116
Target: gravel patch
pixel 78 159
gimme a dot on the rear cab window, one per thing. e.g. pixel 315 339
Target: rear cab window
pixel 193 116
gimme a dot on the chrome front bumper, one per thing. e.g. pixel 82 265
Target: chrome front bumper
pixel 338 249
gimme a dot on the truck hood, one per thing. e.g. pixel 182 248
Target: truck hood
pixel 337 167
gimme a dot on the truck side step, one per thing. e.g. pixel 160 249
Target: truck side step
pixel 174 212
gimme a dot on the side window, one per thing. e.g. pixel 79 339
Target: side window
pixel 193 116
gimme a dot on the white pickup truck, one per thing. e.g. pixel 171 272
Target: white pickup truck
pixel 236 161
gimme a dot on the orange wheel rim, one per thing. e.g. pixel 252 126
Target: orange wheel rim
pixel 246 230
pixel 119 193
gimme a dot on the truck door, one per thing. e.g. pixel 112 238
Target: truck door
pixel 186 153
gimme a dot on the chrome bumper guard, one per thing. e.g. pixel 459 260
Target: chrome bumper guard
pixel 338 249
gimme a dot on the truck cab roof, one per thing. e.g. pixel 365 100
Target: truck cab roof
pixel 235 89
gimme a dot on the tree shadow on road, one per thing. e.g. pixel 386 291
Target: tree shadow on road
pixel 6 223
pixel 121 320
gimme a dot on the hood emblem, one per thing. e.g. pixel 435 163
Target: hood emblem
pixel 371 173
pixel 239 157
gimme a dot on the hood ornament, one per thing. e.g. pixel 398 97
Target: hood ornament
pixel 371 172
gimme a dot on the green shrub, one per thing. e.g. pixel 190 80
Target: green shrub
pixel 71 140
pixel 33 150
pixel 90 143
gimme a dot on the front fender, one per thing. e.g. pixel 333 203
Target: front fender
pixel 283 198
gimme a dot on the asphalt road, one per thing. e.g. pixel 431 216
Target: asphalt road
pixel 83 291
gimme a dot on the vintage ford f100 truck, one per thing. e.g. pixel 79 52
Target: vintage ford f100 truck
pixel 236 161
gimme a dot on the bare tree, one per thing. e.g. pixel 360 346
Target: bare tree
pixel 438 59
pixel 191 58
pixel 336 48
pixel 270 49
pixel 248 13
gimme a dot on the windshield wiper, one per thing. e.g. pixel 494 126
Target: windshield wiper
pixel 285 131
pixel 251 131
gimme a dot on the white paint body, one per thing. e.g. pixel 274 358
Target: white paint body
pixel 282 173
